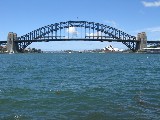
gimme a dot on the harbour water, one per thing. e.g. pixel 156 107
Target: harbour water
pixel 112 86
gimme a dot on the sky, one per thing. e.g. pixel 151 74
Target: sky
pixel 130 16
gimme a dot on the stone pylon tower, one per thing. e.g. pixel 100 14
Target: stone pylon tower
pixel 11 46
pixel 143 40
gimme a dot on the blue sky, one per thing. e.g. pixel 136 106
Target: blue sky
pixel 131 16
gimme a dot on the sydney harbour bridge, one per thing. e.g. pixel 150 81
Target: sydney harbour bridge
pixel 76 31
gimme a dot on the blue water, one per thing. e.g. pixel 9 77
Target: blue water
pixel 112 86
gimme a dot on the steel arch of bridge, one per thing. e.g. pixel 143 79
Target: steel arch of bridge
pixel 93 32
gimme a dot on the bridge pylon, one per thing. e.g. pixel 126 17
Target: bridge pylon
pixel 142 37
pixel 11 45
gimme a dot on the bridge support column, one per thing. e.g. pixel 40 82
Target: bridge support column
pixel 142 37
pixel 11 45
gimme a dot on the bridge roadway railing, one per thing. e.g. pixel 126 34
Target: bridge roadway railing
pixel 153 41
pixel 75 39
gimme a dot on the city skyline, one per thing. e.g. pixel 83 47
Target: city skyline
pixel 131 17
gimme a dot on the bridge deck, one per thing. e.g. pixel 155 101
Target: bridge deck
pixel 79 39
pixel 153 41
pixel 74 39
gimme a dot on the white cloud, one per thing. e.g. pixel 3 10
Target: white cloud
pixel 94 34
pixel 72 30
pixel 151 4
